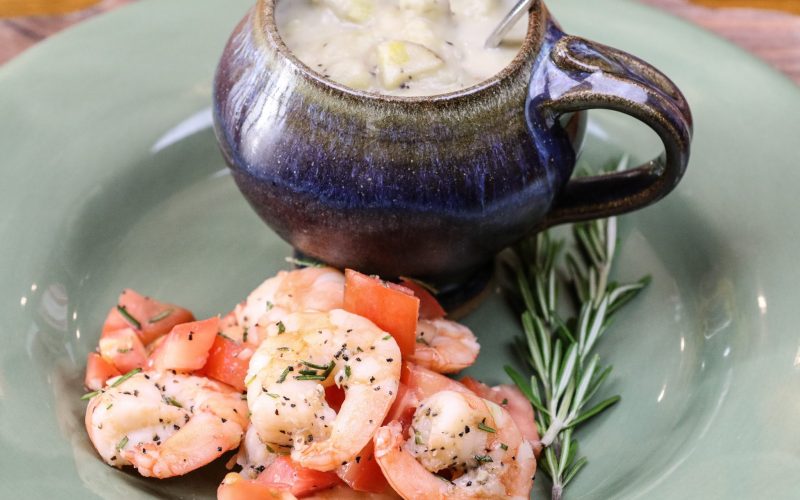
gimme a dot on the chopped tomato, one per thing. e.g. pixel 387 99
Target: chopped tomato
pixel 230 327
pixel 149 317
pixel 228 361
pixel 186 347
pixel 98 370
pixel 364 473
pixel 301 481
pixel 429 307
pixel 512 400
pixel 391 308
pixel 123 349
pixel 403 407
pixel 334 396
pixel 425 382
pixel 236 487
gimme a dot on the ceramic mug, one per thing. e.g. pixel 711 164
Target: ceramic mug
pixel 433 187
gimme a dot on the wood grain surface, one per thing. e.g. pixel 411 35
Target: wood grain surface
pixel 768 28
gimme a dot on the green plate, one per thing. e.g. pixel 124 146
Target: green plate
pixel 111 178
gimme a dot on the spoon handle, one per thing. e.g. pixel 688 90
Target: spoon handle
pixel 508 22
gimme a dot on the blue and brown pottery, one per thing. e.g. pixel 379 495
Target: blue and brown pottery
pixel 433 187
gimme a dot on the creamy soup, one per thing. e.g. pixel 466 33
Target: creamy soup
pixel 399 47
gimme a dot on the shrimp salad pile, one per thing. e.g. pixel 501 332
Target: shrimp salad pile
pixel 327 385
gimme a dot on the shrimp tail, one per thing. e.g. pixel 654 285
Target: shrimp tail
pixel 399 467
pixel 202 440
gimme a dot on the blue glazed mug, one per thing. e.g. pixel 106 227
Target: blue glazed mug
pixel 433 187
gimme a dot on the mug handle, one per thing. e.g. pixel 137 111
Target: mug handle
pixel 582 75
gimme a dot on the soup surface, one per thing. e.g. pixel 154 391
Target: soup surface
pixel 399 47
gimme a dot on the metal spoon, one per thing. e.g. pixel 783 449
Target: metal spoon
pixel 508 22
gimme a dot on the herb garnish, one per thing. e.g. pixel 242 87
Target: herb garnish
pixel 90 395
pixel 482 426
pixel 281 327
pixel 126 377
pixel 315 366
pixel 130 319
pixel 122 443
pixel 314 374
pixel 171 401
pixel 162 315
pixel 483 459
pixel 284 373
pixel 566 376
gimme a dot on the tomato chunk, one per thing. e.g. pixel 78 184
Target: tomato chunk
pixel 429 307
pixel 98 370
pixel 334 396
pixel 403 407
pixel 425 382
pixel 364 473
pixel 236 487
pixel 228 361
pixel 387 305
pixel 148 317
pixel 123 349
pixel 512 400
pixel 301 481
pixel 186 347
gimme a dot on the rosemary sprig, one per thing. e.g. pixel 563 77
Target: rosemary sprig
pixel 566 374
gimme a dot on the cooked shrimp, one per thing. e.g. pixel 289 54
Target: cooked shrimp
pixel 300 356
pixel 254 456
pixel 342 492
pixel 444 346
pixel 515 403
pixel 165 424
pixel 474 440
pixel 237 487
pixel 301 290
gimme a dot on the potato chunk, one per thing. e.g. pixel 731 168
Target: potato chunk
pixel 422 6
pixel 418 30
pixel 350 72
pixel 400 61
pixel 472 8
pixel 356 11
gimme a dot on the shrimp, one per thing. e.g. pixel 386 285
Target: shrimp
pixel 300 356
pixel 236 487
pixel 444 346
pixel 165 424
pixel 471 439
pixel 515 403
pixel 254 457
pixel 301 290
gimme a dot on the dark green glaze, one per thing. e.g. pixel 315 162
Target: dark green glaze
pixel 430 187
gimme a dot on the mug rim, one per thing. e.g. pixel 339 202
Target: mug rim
pixel 265 17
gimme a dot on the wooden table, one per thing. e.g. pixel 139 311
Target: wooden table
pixel 768 28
